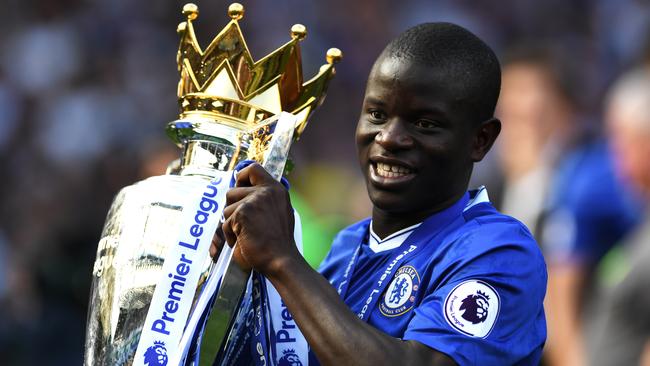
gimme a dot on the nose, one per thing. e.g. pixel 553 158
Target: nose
pixel 394 135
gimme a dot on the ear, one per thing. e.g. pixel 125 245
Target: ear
pixel 484 137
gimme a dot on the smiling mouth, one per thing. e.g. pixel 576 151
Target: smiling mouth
pixel 392 171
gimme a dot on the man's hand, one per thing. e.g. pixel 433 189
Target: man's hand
pixel 258 223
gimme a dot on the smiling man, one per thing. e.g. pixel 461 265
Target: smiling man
pixel 436 276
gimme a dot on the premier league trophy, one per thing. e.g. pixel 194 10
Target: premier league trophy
pixel 152 259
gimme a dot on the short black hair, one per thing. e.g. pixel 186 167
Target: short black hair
pixel 459 55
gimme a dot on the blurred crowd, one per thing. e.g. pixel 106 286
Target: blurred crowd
pixel 87 86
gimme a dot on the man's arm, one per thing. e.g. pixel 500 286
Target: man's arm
pixel 336 334
pixel 259 220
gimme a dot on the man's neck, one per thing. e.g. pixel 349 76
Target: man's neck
pixel 385 222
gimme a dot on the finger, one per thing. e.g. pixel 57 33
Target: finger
pixel 240 259
pixel 215 246
pixel 253 175
pixel 236 194
pixel 215 250
pixel 229 233
pixel 217 243
pixel 230 209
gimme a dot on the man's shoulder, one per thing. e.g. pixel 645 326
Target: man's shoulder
pixel 574 186
pixel 488 236
pixel 484 222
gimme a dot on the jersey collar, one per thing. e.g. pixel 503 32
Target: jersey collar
pixel 392 241
pixel 433 223
pixel 477 196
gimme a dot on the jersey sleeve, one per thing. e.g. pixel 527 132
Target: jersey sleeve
pixel 488 310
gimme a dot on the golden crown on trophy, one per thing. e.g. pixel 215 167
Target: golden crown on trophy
pixel 224 83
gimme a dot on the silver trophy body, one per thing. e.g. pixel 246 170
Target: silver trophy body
pixel 141 225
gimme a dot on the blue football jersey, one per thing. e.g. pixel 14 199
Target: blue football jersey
pixel 468 282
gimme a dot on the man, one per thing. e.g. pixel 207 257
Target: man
pixel 620 332
pixel 436 276
pixel 546 148
pixel 539 111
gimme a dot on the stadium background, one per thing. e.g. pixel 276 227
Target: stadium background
pixel 86 87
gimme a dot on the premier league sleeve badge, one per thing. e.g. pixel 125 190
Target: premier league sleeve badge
pixel 400 294
pixel 472 308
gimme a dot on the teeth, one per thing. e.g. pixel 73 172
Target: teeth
pixel 391 171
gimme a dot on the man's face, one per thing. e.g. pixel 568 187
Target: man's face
pixel 631 148
pixel 532 111
pixel 414 143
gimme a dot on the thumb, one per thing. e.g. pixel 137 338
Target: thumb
pixel 253 175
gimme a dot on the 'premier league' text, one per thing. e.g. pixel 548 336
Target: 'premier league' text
pixel 207 206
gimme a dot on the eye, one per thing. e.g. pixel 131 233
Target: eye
pixel 376 116
pixel 426 124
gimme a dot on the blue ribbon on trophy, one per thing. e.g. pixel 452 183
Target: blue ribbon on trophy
pixel 269 324
pixel 172 299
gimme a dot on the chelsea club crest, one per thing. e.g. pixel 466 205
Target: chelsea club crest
pixel 400 294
